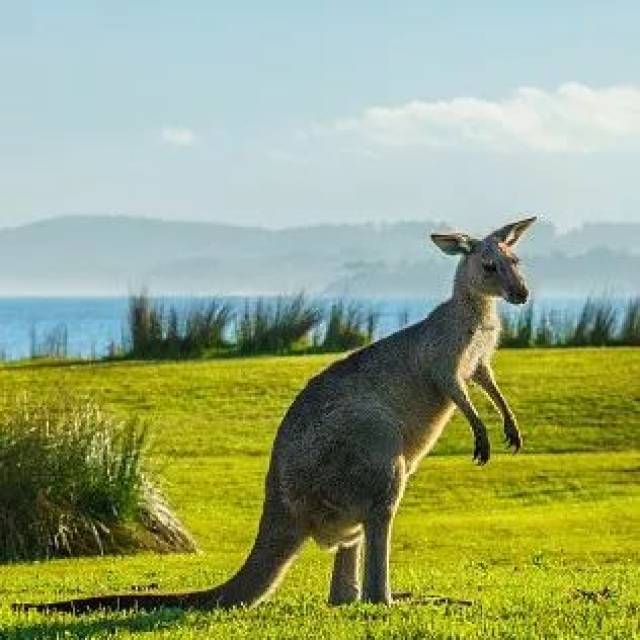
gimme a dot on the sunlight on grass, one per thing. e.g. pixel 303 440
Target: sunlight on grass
pixel 524 538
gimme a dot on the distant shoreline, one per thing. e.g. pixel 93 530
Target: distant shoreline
pixel 91 323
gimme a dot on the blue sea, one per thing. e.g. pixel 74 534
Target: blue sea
pixel 90 324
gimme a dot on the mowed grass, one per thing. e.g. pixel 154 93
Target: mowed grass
pixel 517 538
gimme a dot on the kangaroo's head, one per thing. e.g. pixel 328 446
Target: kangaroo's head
pixel 489 267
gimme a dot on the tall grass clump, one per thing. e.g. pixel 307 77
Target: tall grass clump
pixel 630 329
pixel 348 326
pixel 73 481
pixel 518 331
pixel 403 318
pixel 276 327
pixel 600 322
pixel 144 321
pixel 596 324
pixel 205 327
pixel 552 329
pixel 53 344
pixel 155 333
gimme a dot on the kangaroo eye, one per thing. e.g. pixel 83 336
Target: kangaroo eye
pixel 489 267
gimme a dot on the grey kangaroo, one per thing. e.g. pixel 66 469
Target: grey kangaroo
pixel 358 430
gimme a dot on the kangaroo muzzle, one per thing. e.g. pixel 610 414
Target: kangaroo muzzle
pixel 518 295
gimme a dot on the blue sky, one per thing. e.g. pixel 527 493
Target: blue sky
pixel 288 113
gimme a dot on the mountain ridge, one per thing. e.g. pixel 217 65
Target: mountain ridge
pixel 113 254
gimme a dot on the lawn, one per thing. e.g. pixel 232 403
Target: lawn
pixel 543 544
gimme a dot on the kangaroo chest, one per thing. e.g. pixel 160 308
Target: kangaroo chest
pixel 420 435
pixel 480 344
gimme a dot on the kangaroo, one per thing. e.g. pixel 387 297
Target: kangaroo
pixel 356 433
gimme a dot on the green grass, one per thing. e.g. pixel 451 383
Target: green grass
pixel 517 537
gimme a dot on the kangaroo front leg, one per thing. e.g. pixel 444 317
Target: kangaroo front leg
pixel 456 389
pixel 377 531
pixel 345 580
pixel 484 377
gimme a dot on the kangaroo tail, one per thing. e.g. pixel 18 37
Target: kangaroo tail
pixel 275 547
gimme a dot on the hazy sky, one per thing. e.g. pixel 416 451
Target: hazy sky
pixel 280 113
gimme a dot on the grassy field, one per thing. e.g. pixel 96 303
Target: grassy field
pixel 519 538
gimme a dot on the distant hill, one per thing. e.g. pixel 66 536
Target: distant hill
pixel 112 255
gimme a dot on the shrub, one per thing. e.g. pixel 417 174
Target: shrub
pixel 54 344
pixel 546 332
pixel 348 327
pixel 73 482
pixel 140 322
pixel 630 331
pixel 518 331
pixel 266 327
pixel 403 318
pixel 596 325
pixel 154 333
pixel 205 327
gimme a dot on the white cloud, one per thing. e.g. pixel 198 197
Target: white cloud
pixel 573 118
pixel 179 136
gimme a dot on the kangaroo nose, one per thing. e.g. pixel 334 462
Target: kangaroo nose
pixel 521 295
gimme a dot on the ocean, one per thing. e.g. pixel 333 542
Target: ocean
pixel 90 324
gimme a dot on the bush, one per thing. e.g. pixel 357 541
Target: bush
pixel 518 331
pixel 54 344
pixel 175 334
pixel 596 325
pixel 348 327
pixel 275 327
pixel 630 331
pixel 291 324
pixel 73 482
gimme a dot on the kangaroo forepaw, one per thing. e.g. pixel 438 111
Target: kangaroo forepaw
pixel 482 449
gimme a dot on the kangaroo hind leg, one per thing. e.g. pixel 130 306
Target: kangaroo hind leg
pixel 377 539
pixel 345 579
pixel 376 565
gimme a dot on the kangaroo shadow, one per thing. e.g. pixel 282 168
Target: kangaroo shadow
pixel 87 627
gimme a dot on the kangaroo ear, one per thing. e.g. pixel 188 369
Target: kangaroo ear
pixel 510 233
pixel 453 243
